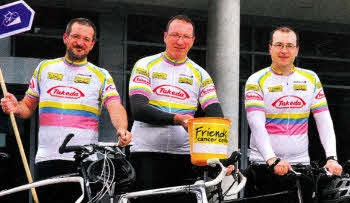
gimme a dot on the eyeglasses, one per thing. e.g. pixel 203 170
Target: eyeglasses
pixel 178 36
pixel 287 46
pixel 78 37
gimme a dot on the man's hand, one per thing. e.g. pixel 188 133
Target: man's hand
pixel 334 167
pixel 124 137
pixel 182 120
pixel 9 103
pixel 230 168
pixel 281 168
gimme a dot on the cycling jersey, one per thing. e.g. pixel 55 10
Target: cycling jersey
pixel 278 109
pixel 173 87
pixel 70 96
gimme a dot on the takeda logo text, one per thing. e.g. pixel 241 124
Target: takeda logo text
pixel 65 92
pixel 253 96
pixel 171 91
pixel 141 79
pixel 289 101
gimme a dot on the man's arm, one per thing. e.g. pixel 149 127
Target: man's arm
pixel 327 136
pixel 23 109
pixel 120 121
pixel 319 108
pixel 143 111
pixel 213 110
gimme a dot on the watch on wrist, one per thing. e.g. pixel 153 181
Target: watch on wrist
pixel 332 158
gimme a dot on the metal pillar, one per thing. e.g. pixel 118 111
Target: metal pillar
pixel 223 62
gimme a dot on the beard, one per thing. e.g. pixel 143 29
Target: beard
pixel 74 57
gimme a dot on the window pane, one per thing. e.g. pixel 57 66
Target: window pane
pixel 53 21
pixel 324 44
pixel 46 48
pixel 152 28
pixel 245 38
pixel 339 107
pixel 262 37
pixel 262 61
pixel 245 64
pixel 136 52
pixel 329 72
pixel 146 28
pixel 199 57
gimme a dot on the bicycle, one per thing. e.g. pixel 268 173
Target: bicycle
pixel 326 187
pixel 198 188
pixel 107 175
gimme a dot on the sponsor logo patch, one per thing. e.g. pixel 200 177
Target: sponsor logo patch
pixel 78 79
pixel 55 76
pixel 252 87
pixel 253 96
pixel 65 92
pixel 110 81
pixel 160 75
pixel 188 76
pixel 171 91
pixel 300 87
pixel 35 73
pixel 207 82
pixel 31 84
pixel 320 95
pixel 207 90
pixel 110 87
pixel 185 80
pixel 300 82
pixel 141 79
pixel 141 71
pixel 289 101
pixel 319 85
pixel 278 88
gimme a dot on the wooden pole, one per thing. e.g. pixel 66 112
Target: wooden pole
pixel 19 141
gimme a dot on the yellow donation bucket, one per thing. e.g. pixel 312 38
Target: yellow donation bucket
pixel 208 138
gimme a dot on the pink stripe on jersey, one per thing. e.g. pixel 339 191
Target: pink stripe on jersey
pixel 287 129
pixel 52 119
pixel 145 93
pixel 111 98
pixel 320 110
pixel 210 101
pixel 255 109
pixel 190 114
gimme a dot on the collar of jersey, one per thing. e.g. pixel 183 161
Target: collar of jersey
pixel 280 73
pixel 74 64
pixel 172 62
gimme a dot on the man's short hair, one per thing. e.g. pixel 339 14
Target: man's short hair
pixel 81 21
pixel 284 29
pixel 180 17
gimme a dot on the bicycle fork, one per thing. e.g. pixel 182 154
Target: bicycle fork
pixel 300 197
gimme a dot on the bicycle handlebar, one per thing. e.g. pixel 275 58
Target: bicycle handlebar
pixel 235 156
pixel 299 170
pixel 81 148
pixel 4 156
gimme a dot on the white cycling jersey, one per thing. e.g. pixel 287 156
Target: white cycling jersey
pixel 278 109
pixel 174 87
pixel 70 96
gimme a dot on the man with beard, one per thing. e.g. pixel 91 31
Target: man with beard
pixel 70 92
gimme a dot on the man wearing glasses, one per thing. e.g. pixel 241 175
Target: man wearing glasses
pixel 70 93
pixel 165 90
pixel 278 101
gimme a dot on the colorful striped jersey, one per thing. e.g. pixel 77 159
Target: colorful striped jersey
pixel 70 96
pixel 286 102
pixel 173 87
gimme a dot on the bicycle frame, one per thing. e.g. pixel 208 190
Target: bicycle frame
pixel 198 188
pixel 45 182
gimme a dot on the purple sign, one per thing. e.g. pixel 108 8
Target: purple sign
pixel 15 18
